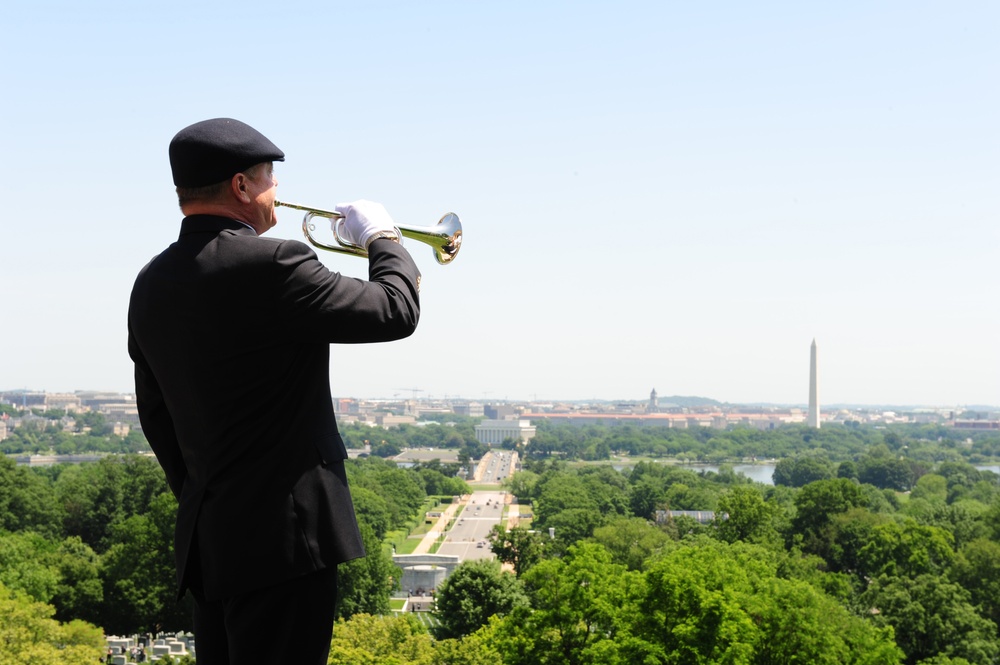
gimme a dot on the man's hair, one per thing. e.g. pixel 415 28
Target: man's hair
pixel 215 191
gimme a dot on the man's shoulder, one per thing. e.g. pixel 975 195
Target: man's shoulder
pixel 265 247
pixel 200 251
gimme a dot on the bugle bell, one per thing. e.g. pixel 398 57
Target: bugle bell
pixel 445 237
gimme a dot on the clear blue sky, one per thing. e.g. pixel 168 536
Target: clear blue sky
pixel 675 195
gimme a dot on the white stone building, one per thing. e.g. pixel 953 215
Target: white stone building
pixel 495 432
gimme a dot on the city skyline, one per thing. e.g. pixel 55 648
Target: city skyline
pixel 665 400
pixel 652 194
pixel 811 403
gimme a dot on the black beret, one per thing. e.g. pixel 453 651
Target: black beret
pixel 214 150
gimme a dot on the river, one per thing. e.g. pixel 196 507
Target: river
pixel 764 472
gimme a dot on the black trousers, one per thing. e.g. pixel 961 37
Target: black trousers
pixel 291 622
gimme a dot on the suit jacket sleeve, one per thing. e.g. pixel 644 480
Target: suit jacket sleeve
pixel 157 425
pixel 326 306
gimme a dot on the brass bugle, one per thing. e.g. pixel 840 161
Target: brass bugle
pixel 445 237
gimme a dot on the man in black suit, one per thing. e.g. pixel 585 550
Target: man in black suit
pixel 230 336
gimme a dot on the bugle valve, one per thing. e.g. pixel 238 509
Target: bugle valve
pixel 445 237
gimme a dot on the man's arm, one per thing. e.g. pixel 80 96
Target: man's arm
pixel 327 306
pixel 157 425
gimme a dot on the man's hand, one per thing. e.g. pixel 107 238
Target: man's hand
pixel 363 222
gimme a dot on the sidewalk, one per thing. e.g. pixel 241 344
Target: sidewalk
pixel 513 513
pixel 431 536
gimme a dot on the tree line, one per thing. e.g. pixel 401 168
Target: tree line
pixel 924 443
pixel 56 432
pixel 91 545
pixel 874 546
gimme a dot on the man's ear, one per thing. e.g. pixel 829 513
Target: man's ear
pixel 238 185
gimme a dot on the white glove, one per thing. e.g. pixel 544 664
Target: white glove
pixel 363 222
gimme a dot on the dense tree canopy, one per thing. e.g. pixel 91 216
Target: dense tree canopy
pixel 932 616
pixel 94 541
pixel 519 547
pixel 783 574
pixel 475 591
pixel 367 639
pixel 881 547
pixel 30 636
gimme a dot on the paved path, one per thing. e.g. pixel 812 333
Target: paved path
pixel 431 536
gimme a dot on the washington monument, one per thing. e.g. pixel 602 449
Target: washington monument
pixel 813 389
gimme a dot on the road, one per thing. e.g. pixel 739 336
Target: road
pixel 467 536
pixel 495 466
pixel 482 510
pixel 479 513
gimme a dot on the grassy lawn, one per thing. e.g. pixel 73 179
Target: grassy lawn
pixel 426 618
pixel 397 604
pixel 446 455
pixel 423 528
pixel 408 545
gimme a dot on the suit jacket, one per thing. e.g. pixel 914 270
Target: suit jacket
pixel 230 336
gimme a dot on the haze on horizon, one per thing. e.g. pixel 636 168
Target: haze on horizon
pixel 654 195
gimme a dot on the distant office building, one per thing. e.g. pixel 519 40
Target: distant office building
pixel 24 399
pixel 125 411
pixel 472 409
pixel 813 419
pixel 388 420
pixel 495 432
pixel 978 424
pixel 500 411
pixel 95 400
pixel 346 405
pixel 63 402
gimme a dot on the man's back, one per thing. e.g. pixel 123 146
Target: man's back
pixel 232 333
